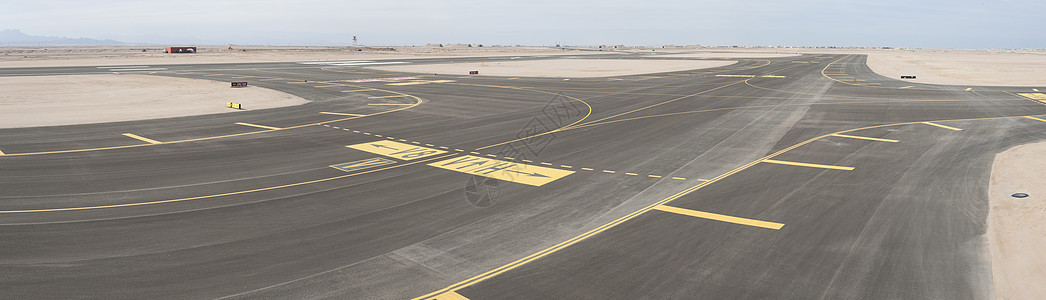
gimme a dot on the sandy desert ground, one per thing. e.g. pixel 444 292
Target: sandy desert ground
pixel 573 68
pixel 15 57
pixel 31 101
pixel 1017 227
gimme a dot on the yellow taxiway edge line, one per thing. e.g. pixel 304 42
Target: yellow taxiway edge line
pixel 942 126
pixel 792 163
pixel 865 138
pixel 147 140
pixel 719 217
pixel 256 125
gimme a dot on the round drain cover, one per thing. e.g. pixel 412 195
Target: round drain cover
pixel 1020 195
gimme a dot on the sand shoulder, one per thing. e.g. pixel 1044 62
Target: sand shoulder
pixel 1017 227
pixel 28 57
pixel 560 68
pixel 32 101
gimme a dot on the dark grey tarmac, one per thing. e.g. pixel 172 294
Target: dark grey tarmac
pixel 880 205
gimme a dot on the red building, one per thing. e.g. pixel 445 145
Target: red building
pixel 179 50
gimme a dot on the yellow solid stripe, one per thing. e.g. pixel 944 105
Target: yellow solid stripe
pixel 151 141
pixel 719 217
pixel 388 104
pixel 341 114
pixel 449 296
pixel 942 126
pixel 2 153
pixel 865 138
pixel 256 125
pixel 393 96
pixel 1029 117
pixel 792 163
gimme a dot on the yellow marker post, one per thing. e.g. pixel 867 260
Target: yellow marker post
pixel 396 149
pixel 503 170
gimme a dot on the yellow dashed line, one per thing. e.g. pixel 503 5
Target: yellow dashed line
pixel 678 178
pixel 608 171
pixel 654 176
pixel 565 166
pixel 587 169
pixel 631 174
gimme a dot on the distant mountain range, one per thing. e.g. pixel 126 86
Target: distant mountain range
pixel 14 37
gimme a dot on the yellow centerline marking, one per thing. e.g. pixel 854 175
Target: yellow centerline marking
pixel 865 138
pixel 359 90
pixel 1029 117
pixel 905 87
pixel 388 103
pixel 381 97
pixel 147 140
pixel 942 126
pixel 792 163
pixel 654 176
pixel 608 171
pixel 969 89
pixel 719 217
pixel 256 125
pixel 342 114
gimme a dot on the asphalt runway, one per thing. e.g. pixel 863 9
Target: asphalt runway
pixel 788 178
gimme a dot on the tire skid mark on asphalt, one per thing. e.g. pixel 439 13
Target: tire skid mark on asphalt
pixel 79 208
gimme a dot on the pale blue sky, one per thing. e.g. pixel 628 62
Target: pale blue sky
pixel 913 23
